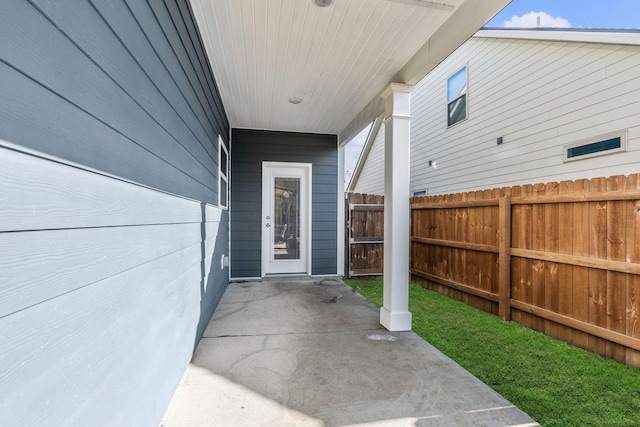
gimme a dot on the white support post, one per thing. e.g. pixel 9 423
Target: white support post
pixel 341 213
pixel 394 314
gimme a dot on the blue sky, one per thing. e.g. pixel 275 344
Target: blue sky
pixel 618 14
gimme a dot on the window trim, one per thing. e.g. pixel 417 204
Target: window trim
pixel 223 175
pixel 466 95
pixel 600 138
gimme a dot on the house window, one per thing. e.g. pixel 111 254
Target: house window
pixel 457 97
pixel 223 175
pixel 420 193
pixel 601 145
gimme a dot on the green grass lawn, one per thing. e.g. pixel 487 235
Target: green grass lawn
pixel 553 382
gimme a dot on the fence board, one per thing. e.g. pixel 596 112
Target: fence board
pixel 602 264
pixel 551 244
pixel 458 286
pixel 615 303
pixel 496 193
pixel 574 257
pixel 584 326
pixel 504 259
pixel 580 293
pixel 526 266
pixel 538 266
pixel 458 255
pixel 471 271
pixel 632 238
pixel 580 196
pixel 453 244
pixel 517 287
pixel 597 278
pixel 565 272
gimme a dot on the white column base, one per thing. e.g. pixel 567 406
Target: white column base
pixel 395 321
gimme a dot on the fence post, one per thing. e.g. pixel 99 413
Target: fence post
pixel 504 258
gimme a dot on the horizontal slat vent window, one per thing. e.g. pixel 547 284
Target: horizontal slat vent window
pixel 594 147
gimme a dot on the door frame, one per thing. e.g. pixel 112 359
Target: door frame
pixel 306 234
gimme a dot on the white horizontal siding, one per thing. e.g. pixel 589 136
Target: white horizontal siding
pixel 371 180
pixel 69 354
pixel 539 96
pixel 52 263
pixel 37 194
pixel 103 287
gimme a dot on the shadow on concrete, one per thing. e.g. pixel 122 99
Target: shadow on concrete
pixel 310 352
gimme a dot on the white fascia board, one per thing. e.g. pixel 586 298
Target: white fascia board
pixel 463 23
pixel 374 108
pixel 586 36
pixel 375 129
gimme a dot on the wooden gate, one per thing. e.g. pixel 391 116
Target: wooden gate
pixel 365 235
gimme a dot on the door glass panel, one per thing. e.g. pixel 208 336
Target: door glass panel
pixel 286 215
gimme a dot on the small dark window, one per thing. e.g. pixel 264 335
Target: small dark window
pixel 594 147
pixel 223 193
pixel 457 97
pixel 223 162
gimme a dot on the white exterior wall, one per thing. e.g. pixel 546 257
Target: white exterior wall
pixel 539 96
pixel 99 277
pixel 371 180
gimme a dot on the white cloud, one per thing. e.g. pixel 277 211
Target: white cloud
pixel 530 20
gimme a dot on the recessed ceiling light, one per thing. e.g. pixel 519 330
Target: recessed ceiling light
pixel 322 3
pixel 295 100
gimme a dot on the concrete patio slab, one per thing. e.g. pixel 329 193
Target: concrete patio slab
pixel 311 352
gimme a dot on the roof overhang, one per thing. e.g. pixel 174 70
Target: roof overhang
pixel 624 37
pixel 337 60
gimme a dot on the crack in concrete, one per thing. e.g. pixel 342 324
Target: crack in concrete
pixel 243 358
pixel 244 305
pixel 291 333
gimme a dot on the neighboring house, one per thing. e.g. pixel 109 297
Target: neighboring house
pixel 535 106
pixel 148 154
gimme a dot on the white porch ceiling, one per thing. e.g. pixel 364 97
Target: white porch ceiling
pixel 337 59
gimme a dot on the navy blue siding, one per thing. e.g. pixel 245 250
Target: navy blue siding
pixel 250 149
pixel 113 87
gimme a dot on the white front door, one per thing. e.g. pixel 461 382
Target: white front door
pixel 286 218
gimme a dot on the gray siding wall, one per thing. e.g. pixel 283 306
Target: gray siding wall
pixel 110 235
pixel 250 149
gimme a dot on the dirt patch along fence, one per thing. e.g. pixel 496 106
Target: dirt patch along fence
pixel 562 258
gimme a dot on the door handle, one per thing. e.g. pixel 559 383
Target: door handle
pixel 268 225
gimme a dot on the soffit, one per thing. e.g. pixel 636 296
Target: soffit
pixel 336 59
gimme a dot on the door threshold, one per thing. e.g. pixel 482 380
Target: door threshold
pixel 287 276
pixel 316 276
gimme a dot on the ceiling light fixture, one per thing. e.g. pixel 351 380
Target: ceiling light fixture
pixel 322 3
pixel 295 100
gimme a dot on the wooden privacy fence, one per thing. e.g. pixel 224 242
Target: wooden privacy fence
pixel 562 258
pixel 365 234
